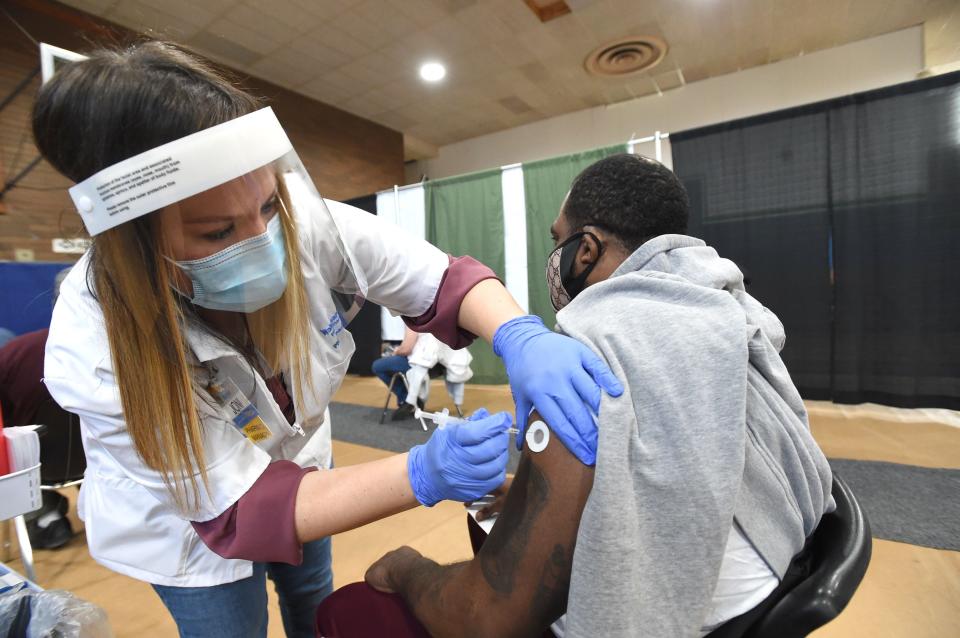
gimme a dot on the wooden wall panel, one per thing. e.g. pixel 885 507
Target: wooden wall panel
pixel 347 156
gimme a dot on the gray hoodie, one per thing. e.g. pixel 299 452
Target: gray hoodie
pixel 709 430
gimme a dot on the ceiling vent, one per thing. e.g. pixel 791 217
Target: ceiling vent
pixel 626 56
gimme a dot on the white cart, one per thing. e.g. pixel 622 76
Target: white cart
pixel 19 494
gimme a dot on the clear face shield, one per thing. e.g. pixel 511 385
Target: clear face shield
pixel 228 201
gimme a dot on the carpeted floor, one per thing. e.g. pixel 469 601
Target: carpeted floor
pixel 904 503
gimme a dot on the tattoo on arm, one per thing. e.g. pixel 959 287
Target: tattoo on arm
pixel 519 581
pixel 503 549
pixel 427 584
pixel 550 598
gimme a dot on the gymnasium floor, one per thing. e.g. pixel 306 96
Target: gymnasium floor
pixel 908 590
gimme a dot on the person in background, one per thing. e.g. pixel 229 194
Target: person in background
pixel 428 353
pixel 385 367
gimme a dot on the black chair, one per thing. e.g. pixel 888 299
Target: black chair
pixel 819 582
pixel 62 460
pixel 398 377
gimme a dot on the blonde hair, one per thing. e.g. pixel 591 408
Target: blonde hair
pixel 155 374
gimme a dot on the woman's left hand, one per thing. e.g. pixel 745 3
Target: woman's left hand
pixel 558 376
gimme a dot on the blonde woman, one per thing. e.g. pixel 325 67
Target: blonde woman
pixel 202 336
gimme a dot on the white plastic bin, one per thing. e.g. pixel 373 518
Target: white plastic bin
pixel 20 492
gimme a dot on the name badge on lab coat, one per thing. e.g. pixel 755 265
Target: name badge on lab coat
pixel 246 418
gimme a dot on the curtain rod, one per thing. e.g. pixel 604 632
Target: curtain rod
pixel 649 138
pixel 632 140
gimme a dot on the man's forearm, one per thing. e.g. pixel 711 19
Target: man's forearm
pixel 439 596
pixel 519 581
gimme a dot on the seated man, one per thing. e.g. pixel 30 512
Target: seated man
pixel 707 480
pixel 429 352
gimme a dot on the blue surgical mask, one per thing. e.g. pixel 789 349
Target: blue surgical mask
pixel 244 277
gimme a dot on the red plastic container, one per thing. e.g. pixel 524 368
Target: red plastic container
pixel 4 459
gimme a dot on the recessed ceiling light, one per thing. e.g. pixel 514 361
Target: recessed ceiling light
pixel 433 72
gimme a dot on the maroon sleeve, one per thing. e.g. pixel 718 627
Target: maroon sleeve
pixel 260 526
pixel 440 319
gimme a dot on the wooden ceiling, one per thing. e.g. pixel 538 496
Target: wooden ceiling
pixel 506 65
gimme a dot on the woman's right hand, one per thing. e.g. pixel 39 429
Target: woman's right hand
pixel 462 461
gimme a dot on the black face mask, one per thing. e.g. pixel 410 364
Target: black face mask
pixel 561 281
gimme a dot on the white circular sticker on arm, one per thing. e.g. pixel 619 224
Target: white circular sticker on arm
pixel 538 436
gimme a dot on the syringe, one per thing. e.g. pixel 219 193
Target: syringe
pixel 443 417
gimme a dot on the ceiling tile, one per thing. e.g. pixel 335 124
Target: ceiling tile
pixel 392 22
pixel 187 9
pixel 223 50
pixel 513 51
pixel 290 14
pixel 239 34
pixel 514 13
pixel 331 36
pixel 453 36
pixel 148 19
pixel 324 9
pixel 266 23
pixel 396 120
pixel 668 80
pixel 341 81
pixel 356 26
pixel 97 7
pixel 363 55
pixel 486 24
pixel 515 105
pixel 422 12
pixel 288 68
pixel 312 48
pixel 325 92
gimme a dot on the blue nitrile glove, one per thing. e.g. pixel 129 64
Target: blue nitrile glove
pixel 463 461
pixel 558 376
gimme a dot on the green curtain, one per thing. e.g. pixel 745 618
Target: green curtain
pixel 545 184
pixel 464 216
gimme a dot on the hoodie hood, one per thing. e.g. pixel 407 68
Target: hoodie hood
pixel 691 260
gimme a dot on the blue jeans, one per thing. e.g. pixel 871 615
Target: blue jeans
pixel 385 367
pixel 239 609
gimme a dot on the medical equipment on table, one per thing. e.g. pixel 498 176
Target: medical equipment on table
pixel 443 417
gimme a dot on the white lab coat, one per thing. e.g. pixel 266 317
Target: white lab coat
pixel 132 523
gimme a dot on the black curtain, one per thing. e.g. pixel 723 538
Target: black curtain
pixel 758 194
pixel 365 327
pixel 895 172
pixel 844 217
